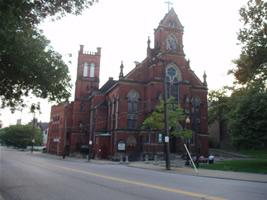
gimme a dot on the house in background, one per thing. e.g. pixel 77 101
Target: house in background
pixel 44 129
pixel 219 136
pixel 108 119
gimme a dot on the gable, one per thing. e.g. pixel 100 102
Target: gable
pixel 171 20
pixel 110 83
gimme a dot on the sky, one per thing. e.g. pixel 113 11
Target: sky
pixel 121 28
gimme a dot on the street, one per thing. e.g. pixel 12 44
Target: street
pixel 26 176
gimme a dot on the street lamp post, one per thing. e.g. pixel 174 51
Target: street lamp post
pixel 196 103
pixel 89 148
pixel 65 129
pixel 33 138
pixel 187 122
pixel 166 126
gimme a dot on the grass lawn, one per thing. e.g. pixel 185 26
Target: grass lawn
pixel 251 165
pixel 260 154
pixel 255 163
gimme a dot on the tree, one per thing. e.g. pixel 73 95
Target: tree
pixel 252 64
pixel 176 117
pixel 20 136
pixel 247 118
pixel 219 107
pixel 245 109
pixel 27 63
pixel 243 112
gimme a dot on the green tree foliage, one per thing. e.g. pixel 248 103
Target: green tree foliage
pixel 252 63
pixel 176 117
pixel 245 110
pixel 27 63
pixel 20 136
pixel 247 118
pixel 219 107
pixel 244 113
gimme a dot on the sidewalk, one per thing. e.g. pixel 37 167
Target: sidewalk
pixel 72 159
pixel 177 167
pixel 242 176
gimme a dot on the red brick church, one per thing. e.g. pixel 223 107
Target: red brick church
pixel 108 119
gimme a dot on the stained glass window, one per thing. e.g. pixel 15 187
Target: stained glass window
pixel 85 69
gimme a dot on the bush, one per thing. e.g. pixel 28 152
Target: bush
pixel 20 136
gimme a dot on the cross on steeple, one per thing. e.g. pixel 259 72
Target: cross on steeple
pixel 169 4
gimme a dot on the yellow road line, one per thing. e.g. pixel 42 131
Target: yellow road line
pixel 157 187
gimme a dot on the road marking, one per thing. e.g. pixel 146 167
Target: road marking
pixel 157 187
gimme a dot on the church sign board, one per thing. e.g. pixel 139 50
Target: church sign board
pixel 121 145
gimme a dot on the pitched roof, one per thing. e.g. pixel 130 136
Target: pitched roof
pixel 171 14
pixel 43 125
pixel 108 85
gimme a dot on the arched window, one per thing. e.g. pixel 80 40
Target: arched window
pixel 171 43
pixel 133 99
pixel 85 69
pixel 186 105
pixel 196 113
pixel 172 24
pixel 92 70
pixel 81 107
pixel 174 76
pixel 173 73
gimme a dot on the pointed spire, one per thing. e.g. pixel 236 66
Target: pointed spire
pixel 148 42
pixel 81 49
pixel 121 72
pixel 205 79
pixel 171 16
pixel 188 63
pixel 169 5
pixel 148 51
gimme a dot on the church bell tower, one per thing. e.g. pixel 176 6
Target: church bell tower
pixel 87 72
pixel 169 34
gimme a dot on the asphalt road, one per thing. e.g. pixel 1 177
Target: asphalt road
pixel 24 176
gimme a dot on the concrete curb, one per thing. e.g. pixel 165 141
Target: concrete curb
pixel 240 176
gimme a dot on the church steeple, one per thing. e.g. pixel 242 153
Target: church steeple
pixel 121 72
pixel 171 20
pixel 148 47
pixel 169 34
pixel 205 79
pixel 169 5
pixel 87 72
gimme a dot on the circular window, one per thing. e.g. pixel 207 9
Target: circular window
pixel 173 73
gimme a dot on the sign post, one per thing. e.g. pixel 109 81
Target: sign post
pixel 89 149
pixel 121 147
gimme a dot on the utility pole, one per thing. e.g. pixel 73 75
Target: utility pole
pixel 89 148
pixel 33 140
pixel 65 129
pixel 167 135
pixel 65 137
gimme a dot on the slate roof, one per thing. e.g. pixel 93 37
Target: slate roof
pixel 43 125
pixel 108 85
pixel 171 13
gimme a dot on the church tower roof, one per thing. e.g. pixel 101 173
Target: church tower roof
pixel 171 20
